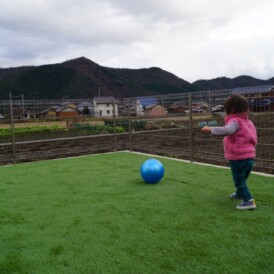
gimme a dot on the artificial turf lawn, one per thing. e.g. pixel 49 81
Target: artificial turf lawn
pixel 94 214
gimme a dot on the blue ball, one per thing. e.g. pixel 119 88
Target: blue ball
pixel 152 171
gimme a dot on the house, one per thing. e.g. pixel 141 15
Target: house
pixel 143 102
pixel 49 112
pixel 177 107
pixel 64 111
pixel 127 109
pixel 86 108
pixel 67 111
pixel 218 108
pixel 261 98
pixel 200 107
pixel 105 106
pixel 155 110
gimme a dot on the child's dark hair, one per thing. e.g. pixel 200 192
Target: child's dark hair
pixel 236 104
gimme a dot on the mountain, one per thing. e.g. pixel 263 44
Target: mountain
pixel 228 83
pixel 82 78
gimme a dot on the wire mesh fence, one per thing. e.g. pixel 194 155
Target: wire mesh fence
pixel 168 125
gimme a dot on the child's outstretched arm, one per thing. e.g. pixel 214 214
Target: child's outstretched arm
pixel 226 130
pixel 206 129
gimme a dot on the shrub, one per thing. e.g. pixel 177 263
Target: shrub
pixel 96 129
pixel 136 124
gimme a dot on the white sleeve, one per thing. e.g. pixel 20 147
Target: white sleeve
pixel 226 130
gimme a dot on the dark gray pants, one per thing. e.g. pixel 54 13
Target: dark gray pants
pixel 240 172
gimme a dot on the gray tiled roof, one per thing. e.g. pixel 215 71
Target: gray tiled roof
pixel 105 100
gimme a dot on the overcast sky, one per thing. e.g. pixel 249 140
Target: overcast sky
pixel 193 39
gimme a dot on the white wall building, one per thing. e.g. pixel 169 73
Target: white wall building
pixel 105 106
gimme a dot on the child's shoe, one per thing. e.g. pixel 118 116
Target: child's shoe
pixel 250 204
pixel 234 196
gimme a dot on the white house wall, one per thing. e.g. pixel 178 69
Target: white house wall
pixel 139 108
pixel 105 110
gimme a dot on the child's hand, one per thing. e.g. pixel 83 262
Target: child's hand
pixel 206 129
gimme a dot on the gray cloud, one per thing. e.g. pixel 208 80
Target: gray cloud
pixel 192 39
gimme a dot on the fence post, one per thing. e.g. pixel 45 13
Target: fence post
pixel 12 131
pixel 114 126
pixel 210 101
pixel 129 127
pixel 190 127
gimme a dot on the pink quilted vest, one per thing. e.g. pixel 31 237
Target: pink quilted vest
pixel 241 144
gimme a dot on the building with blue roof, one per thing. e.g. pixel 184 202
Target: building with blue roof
pixel 143 102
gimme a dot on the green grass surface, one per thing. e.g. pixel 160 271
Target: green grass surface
pixel 94 214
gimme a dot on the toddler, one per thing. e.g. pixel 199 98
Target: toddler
pixel 239 146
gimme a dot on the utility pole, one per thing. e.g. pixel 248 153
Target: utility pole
pixel 23 108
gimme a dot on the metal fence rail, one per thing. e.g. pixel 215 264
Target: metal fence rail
pixel 169 125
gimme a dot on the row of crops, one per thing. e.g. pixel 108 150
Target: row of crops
pixel 31 132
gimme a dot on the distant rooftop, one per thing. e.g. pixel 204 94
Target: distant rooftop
pixel 145 101
pixel 251 90
pixel 105 100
